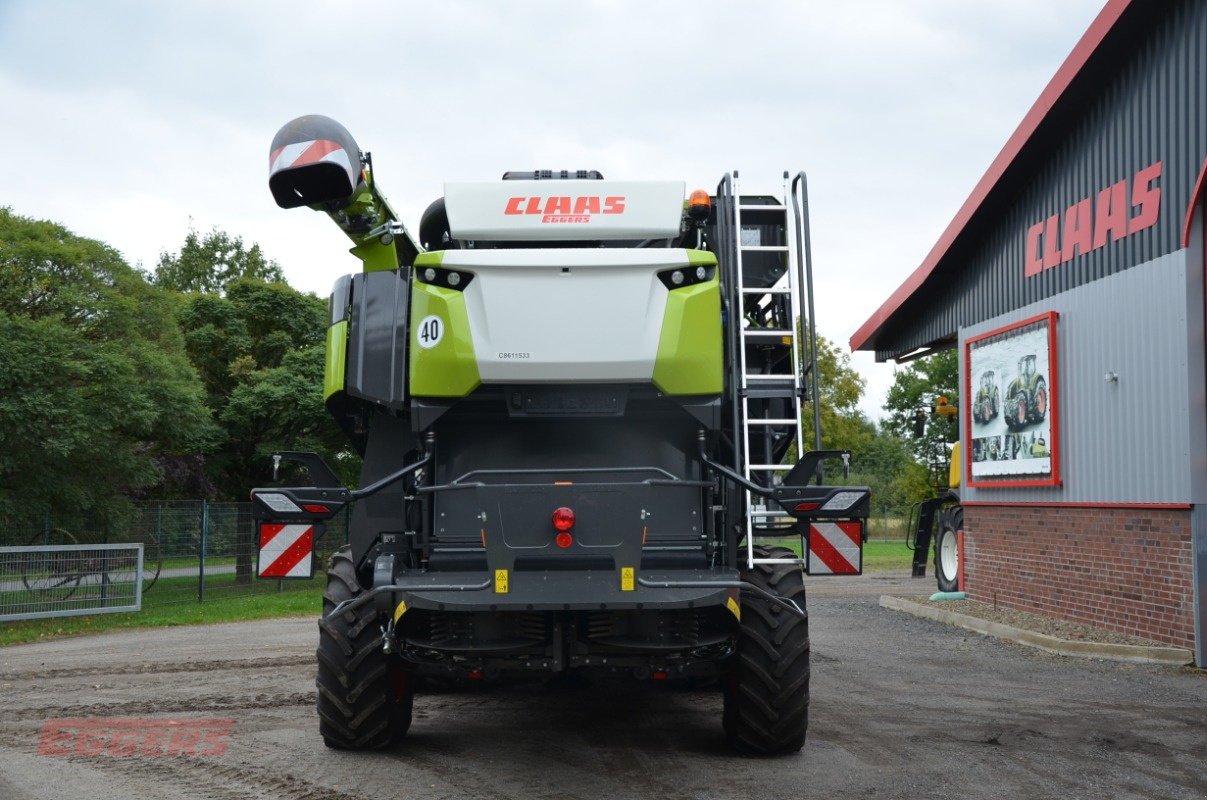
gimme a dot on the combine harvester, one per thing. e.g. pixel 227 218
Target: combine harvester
pixel 578 403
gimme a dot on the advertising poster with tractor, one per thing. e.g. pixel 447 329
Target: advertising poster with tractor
pixel 1009 403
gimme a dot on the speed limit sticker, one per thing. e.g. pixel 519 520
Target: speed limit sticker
pixel 430 332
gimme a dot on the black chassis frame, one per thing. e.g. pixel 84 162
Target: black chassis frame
pixel 674 621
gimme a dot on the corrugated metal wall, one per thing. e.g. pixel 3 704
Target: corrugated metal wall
pixel 1136 440
pixel 1145 104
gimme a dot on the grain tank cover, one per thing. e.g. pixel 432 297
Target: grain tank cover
pixel 313 159
pixel 554 210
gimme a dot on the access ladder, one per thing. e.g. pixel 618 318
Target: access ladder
pixel 762 243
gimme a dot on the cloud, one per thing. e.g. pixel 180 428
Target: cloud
pixel 130 120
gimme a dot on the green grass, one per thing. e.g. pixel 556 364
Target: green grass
pixel 883 556
pixel 173 601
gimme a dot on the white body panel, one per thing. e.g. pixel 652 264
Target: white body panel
pixel 556 210
pixel 598 316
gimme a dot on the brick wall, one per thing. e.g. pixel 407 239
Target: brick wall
pixel 1125 570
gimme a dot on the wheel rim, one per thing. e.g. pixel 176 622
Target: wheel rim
pixel 1041 402
pixel 949 556
pixel 1022 410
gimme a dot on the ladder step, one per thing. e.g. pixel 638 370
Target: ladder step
pixel 784 393
pixel 762 376
pixel 748 207
pixel 764 248
pixel 769 290
pixel 766 332
pixel 771 422
pixel 770 466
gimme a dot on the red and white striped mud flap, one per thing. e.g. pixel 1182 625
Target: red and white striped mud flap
pixel 835 548
pixel 286 550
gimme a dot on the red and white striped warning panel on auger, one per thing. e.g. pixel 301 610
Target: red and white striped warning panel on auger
pixel 835 548
pixel 286 550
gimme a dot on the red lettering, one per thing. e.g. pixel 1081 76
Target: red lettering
pixel 153 741
pixel 613 205
pixel 1078 232
pixel 557 205
pixel 184 742
pixel 1087 228
pixel 123 742
pixel 534 206
pixel 1111 214
pixel 1033 264
pixel 56 740
pixel 1052 241
pixel 90 742
pixel 586 205
pixel 513 205
pixel 1146 198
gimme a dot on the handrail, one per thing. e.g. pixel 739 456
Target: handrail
pixel 800 210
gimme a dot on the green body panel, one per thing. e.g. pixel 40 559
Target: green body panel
pixel 433 258
pixel 375 255
pixel 450 368
pixel 337 355
pixel 690 348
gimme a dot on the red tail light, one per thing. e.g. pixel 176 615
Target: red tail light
pixel 563 540
pixel 563 519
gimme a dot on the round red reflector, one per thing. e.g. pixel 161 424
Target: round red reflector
pixel 563 519
pixel 564 540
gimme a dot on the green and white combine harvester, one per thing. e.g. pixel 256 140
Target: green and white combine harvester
pixel 579 403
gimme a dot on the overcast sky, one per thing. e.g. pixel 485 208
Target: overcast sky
pixel 129 121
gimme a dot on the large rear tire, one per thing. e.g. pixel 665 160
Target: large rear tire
pixel 947 552
pixel 767 692
pixel 365 698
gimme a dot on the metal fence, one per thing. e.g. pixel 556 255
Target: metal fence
pixel 70 580
pixel 192 552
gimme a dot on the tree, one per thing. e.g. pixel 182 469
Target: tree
pixel 880 458
pixel 917 387
pixel 95 388
pixel 210 263
pixel 259 351
pixel 843 425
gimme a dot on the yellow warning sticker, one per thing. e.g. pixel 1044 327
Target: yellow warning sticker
pixel 628 582
pixel 733 606
pixel 402 609
pixel 500 581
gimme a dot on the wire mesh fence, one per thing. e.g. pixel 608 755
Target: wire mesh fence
pixel 192 552
pixel 69 580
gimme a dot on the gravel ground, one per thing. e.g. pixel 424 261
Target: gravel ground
pixel 902 708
